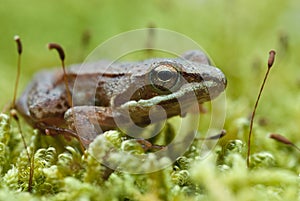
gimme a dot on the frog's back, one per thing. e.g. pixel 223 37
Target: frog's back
pixel 114 69
pixel 104 68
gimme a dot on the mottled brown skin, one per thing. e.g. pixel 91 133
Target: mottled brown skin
pixel 101 93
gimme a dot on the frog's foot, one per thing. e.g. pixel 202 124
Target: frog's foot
pixel 149 147
pixel 52 131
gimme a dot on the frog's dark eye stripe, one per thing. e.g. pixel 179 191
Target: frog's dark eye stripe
pixel 164 77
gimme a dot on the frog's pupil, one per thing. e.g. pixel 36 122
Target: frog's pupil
pixel 164 75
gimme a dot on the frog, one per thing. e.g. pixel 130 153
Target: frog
pixel 106 94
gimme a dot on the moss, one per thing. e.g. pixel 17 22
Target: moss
pixel 71 175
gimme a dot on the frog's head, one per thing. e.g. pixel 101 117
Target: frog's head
pixel 184 79
pixel 172 79
pixel 173 84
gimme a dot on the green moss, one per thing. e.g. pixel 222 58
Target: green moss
pixel 71 176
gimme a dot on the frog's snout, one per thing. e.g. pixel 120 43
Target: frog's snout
pixel 215 81
pixel 224 81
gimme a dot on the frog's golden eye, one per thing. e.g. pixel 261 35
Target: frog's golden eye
pixel 164 77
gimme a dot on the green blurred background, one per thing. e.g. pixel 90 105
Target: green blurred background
pixel 237 34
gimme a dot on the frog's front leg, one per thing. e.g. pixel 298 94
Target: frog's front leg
pixel 87 122
pixel 90 121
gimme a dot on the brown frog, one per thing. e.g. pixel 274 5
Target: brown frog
pixel 106 94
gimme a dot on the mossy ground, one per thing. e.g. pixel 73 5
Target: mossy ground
pixel 238 36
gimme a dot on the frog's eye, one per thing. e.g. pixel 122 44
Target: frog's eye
pixel 164 77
